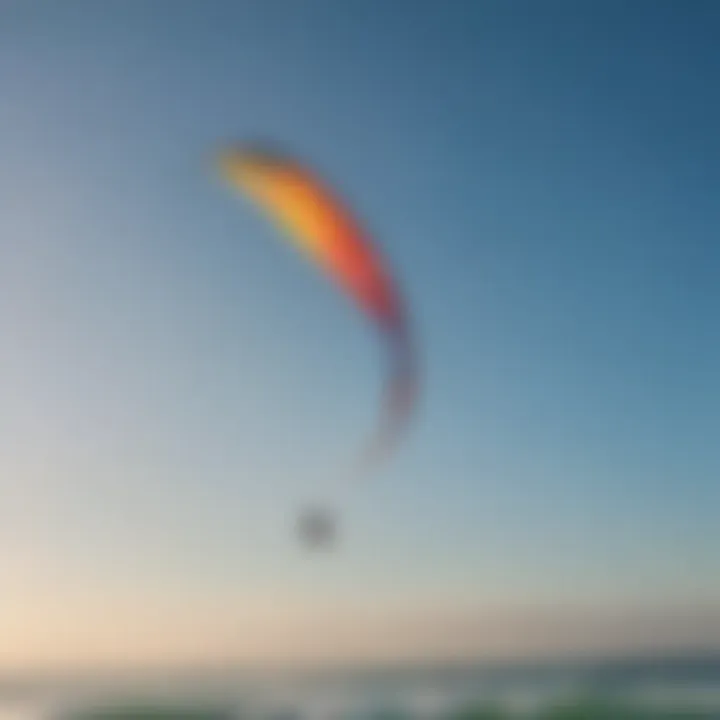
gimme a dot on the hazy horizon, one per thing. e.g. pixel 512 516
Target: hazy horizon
pixel 323 636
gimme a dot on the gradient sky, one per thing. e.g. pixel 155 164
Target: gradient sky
pixel 174 379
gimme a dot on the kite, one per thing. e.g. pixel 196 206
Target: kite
pixel 314 218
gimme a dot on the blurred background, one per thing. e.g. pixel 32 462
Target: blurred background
pixel 543 177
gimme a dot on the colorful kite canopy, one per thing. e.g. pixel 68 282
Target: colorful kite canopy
pixel 318 223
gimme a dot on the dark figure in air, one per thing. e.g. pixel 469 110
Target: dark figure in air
pixel 316 528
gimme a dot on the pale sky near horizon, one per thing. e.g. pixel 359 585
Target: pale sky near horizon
pixel 173 380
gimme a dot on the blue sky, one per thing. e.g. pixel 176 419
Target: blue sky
pixel 174 379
